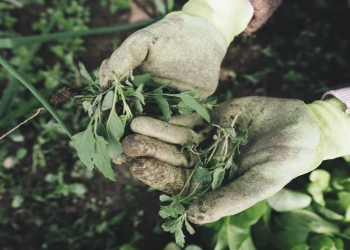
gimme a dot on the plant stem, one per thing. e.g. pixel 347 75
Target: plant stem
pixel 35 92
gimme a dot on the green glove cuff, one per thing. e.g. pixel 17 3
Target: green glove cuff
pixel 230 17
pixel 334 124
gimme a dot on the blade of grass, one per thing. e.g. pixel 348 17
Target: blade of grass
pixel 10 92
pixel 35 92
pixel 12 42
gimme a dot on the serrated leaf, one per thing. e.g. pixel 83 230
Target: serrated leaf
pixel 88 108
pixel 189 228
pixel 138 80
pixel 202 176
pixel 178 208
pixel 165 197
pixel 218 176
pixel 170 226
pixel 115 130
pixel 164 106
pixel 193 103
pixel 84 144
pixel 179 238
pixel 108 101
pixel 85 74
pixel 139 95
pixel 166 211
pixel 101 158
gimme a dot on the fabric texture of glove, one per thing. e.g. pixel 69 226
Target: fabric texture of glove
pixel 185 48
pixel 286 138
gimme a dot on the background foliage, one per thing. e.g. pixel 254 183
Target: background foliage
pixel 48 200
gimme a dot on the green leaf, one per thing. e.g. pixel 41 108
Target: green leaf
pixel 164 106
pixel 239 238
pixel 84 144
pixel 189 228
pixel 322 242
pixel 139 95
pixel 184 109
pixel 301 246
pixel 138 80
pixel 160 6
pixel 85 74
pixel 115 130
pixel 288 239
pixel 138 105
pixel 202 176
pixel 179 238
pixel 170 226
pixel 88 108
pixel 194 104
pixel 218 176
pixel 286 200
pixel 108 101
pixel 319 183
pixel 166 211
pixel 101 158
pixel 249 216
pixel 178 208
pixel 165 197
pixel 303 220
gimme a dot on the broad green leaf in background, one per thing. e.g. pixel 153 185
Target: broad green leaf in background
pixel 301 246
pixel 323 242
pixel 115 131
pixel 287 200
pixel 304 220
pixel 327 213
pixel 84 144
pixel 290 238
pixel 193 103
pixel 319 183
pixel 249 216
pixel 101 158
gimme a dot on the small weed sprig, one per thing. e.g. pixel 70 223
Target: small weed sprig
pixel 215 166
pixel 126 97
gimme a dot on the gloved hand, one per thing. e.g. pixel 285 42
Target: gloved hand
pixel 286 138
pixel 186 48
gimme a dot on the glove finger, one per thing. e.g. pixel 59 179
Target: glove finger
pixel 255 185
pixel 160 175
pixel 122 159
pixel 128 56
pixel 164 131
pixel 139 145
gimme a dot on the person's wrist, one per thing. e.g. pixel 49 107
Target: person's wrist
pixel 230 17
pixel 334 124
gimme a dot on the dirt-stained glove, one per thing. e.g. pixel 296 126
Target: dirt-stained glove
pixel 185 48
pixel 263 9
pixel 286 138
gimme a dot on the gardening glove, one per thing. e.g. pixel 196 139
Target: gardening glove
pixel 263 9
pixel 286 138
pixel 185 48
